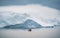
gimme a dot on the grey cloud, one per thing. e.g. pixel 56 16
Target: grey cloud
pixel 50 3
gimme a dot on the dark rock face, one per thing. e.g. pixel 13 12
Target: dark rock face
pixel 26 25
pixel 30 30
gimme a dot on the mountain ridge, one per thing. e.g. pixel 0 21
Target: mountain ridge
pixel 26 25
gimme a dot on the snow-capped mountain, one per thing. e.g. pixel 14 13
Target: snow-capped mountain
pixel 26 25
pixel 11 18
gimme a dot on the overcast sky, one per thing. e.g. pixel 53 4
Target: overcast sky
pixel 49 3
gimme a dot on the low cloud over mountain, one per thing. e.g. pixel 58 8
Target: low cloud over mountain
pixel 45 16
